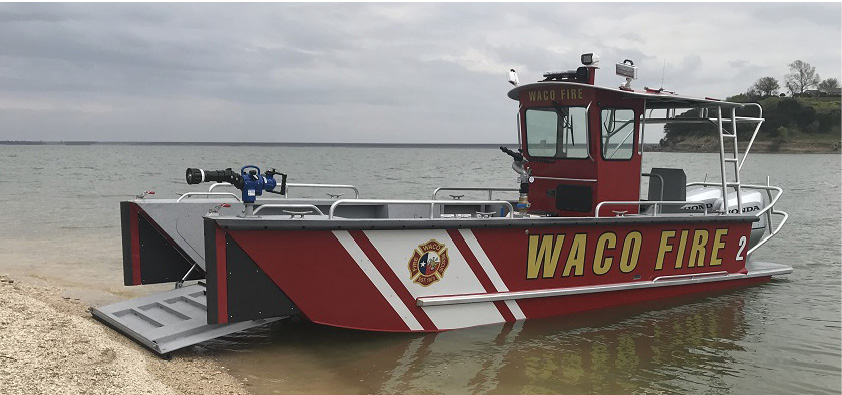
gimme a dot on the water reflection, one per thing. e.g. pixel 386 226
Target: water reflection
pixel 650 348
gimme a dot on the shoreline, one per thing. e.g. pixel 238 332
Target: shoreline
pixel 759 147
pixel 253 144
pixel 703 145
pixel 50 343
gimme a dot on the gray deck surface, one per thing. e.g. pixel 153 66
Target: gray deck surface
pixel 169 320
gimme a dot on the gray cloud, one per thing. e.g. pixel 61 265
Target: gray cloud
pixel 364 72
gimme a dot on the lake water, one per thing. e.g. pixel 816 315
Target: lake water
pixel 60 221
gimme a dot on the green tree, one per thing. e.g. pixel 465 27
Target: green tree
pixel 766 86
pixel 828 84
pixel 751 95
pixel 801 77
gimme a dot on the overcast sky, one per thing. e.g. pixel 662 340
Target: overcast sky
pixel 393 73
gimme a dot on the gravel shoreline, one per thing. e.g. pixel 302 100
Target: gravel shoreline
pixel 50 344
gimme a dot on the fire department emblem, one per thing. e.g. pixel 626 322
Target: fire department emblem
pixel 428 263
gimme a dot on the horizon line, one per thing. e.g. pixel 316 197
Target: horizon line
pixel 259 143
pixel 235 143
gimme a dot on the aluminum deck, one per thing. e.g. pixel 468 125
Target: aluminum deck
pixel 170 320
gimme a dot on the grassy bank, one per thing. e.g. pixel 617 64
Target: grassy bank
pixel 796 125
pixel 801 143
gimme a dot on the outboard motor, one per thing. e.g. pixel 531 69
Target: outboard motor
pixel 710 198
pixel 249 181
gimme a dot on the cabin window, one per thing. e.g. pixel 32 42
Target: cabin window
pixel 617 133
pixel 559 132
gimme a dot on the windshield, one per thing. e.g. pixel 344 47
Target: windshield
pixel 617 133
pixel 560 132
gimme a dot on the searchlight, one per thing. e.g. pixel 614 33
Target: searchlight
pixel 629 70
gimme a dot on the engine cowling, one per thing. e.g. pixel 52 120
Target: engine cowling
pixel 711 198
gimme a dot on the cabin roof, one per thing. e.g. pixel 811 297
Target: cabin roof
pixel 654 99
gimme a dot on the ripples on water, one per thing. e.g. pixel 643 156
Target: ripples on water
pixel 61 219
pixel 657 347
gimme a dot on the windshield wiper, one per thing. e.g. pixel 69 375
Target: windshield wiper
pixel 564 115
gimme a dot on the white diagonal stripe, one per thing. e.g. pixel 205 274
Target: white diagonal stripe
pixel 516 311
pixel 397 247
pixel 377 279
pixel 490 271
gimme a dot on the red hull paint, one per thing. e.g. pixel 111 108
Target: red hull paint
pixel 572 304
pixel 316 273
pixel 476 267
pixel 326 278
pixel 509 251
pixel 395 283
pixel 548 307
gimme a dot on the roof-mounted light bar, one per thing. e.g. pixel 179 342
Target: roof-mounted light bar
pixel 582 74
pixel 560 74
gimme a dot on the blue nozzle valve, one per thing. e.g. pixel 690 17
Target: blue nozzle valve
pixel 255 183
pixel 249 181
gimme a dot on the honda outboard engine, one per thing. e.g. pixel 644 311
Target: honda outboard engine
pixel 710 198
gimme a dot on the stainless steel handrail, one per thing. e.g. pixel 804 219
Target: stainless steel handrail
pixel 690 276
pixel 769 210
pixel 326 186
pixel 227 194
pixel 490 190
pixel 660 178
pixel 772 233
pixel 767 188
pixel 297 185
pixel 308 206
pixel 219 184
pixel 566 179
pixel 656 203
pixel 702 120
pixel 760 120
pixel 432 203
pixel 664 281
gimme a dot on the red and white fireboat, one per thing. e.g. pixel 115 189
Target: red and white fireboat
pixel 580 236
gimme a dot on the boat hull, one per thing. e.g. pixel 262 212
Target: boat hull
pixel 429 276
pixel 571 304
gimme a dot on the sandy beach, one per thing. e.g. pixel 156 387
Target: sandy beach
pixel 49 343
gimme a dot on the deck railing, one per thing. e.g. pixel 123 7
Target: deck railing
pixel 310 207
pixel 656 203
pixel 768 211
pixel 210 194
pixel 297 185
pixel 431 203
pixel 489 190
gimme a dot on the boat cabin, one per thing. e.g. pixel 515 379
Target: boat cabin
pixel 581 142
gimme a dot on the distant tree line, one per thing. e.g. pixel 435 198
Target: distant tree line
pixel 799 112
pixel 801 77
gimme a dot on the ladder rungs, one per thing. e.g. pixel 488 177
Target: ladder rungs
pixel 729 135
pixel 732 184
pixel 731 160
